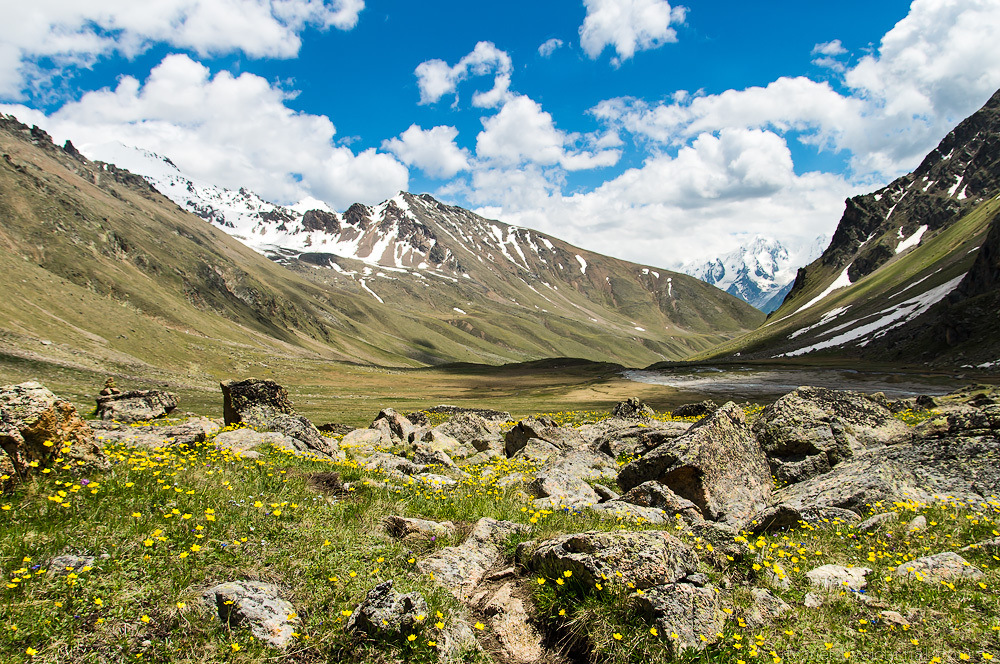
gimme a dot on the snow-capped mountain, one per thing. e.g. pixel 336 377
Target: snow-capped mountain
pixel 505 286
pixel 760 273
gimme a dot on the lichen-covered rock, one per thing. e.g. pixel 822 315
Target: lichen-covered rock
pixel 809 431
pixel 645 558
pixel 565 477
pixel 245 440
pixel 36 427
pixel 387 613
pixel 475 430
pixel 415 530
pixel 507 614
pixel 655 494
pixel 718 465
pixel 947 566
pixel 766 607
pixel 136 405
pixel 194 430
pixel 700 409
pixel 562 438
pixel 784 516
pixel 399 427
pixel 690 612
pixel 461 568
pixel 256 605
pixel 838 577
pixel 616 437
pixel 876 521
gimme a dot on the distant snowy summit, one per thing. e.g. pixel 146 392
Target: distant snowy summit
pixel 760 273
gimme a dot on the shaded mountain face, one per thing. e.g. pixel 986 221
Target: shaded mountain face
pixel 903 259
pixel 760 273
pixel 409 282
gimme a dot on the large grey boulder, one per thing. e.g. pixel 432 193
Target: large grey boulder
pixel 718 465
pixel 30 417
pixel 399 427
pixel 470 428
pixel 809 431
pixel 564 478
pixel 645 558
pixel 256 605
pixel 243 441
pixel 657 495
pixel 940 567
pixel 616 437
pixel 136 405
pixel 190 432
pixel 387 613
pixel 510 622
pixel 838 577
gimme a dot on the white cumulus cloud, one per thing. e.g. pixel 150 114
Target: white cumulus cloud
pixel 230 130
pixel 549 47
pixel 522 132
pixel 433 151
pixel 436 78
pixel 75 33
pixel 628 26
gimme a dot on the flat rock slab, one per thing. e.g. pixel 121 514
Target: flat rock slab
pixel 461 568
pixel 508 618
pixel 256 605
pixel 838 577
pixel 947 566
pixel 644 558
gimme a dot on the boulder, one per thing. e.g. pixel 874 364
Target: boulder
pixel 243 441
pixel 787 517
pixel 809 431
pixel 645 558
pixel 264 405
pixel 561 438
pixel 618 438
pixel 766 607
pixel 718 465
pixel 876 521
pixel 632 409
pixel 537 450
pixel 838 577
pixel 256 605
pixel 136 405
pixel 392 464
pixel 364 442
pixel 472 429
pixel 947 566
pixel 461 568
pixel 700 409
pixel 564 478
pixel 387 613
pixel 36 427
pixel 659 496
pixel 418 530
pixel 400 428
pixel 632 513
pixel 690 612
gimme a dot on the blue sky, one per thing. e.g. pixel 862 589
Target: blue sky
pixel 651 130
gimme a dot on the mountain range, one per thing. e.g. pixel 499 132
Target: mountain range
pixel 760 273
pixel 102 270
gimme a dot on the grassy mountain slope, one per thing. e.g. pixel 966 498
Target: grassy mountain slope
pixel 102 272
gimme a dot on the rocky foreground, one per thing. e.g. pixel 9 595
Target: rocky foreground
pixel 683 512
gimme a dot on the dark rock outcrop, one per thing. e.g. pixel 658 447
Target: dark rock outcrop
pixel 632 409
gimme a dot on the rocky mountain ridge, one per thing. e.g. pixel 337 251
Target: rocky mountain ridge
pixel 886 286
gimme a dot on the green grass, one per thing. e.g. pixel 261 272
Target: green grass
pixel 166 523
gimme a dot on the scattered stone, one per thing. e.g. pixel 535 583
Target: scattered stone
pixel 418 530
pixel 919 522
pixel 36 426
pixel 605 493
pixel 838 577
pixel 632 409
pixel 626 437
pixel 400 429
pixel 636 513
pixel 685 610
pixel 766 607
pixel 66 563
pixel 645 558
pixel 873 522
pixel 242 441
pixel 700 409
pixel 813 601
pixel 894 618
pixel 364 442
pixel 776 577
pixel 538 450
pixel 940 567
pixel 392 464
pixel 989 546
pixel 718 465
pixel 335 429
pixel 136 405
pixel 461 568
pixel 387 613
pixel 428 456
pixel 256 605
